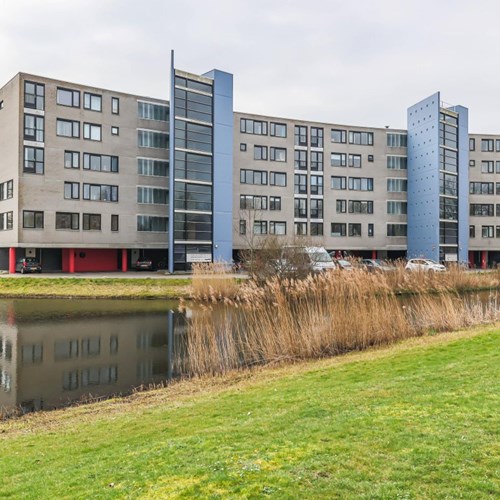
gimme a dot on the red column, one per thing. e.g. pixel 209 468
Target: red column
pixel 374 254
pixel 124 260
pixel 484 259
pixel 12 260
pixel 71 255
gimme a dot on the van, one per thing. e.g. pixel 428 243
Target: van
pixel 297 260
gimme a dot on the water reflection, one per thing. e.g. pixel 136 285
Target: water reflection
pixel 53 352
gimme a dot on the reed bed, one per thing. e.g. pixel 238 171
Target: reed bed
pixel 213 281
pixel 326 315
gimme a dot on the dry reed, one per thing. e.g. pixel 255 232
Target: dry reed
pixel 212 282
pixel 337 312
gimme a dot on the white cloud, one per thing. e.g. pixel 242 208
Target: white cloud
pixel 362 62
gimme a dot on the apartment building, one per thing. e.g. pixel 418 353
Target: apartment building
pixel 92 179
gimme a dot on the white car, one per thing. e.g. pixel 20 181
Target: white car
pixel 424 265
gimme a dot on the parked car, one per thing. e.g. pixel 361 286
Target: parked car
pixel 28 265
pixel 424 265
pixel 343 265
pixel 377 266
pixel 144 264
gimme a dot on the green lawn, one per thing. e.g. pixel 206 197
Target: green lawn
pixel 418 420
pixel 141 288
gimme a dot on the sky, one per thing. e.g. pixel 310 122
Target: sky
pixel 361 62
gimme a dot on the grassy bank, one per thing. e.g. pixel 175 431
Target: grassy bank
pixel 95 288
pixel 416 420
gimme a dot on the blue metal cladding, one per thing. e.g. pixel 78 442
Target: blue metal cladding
pixel 423 178
pixel 222 165
pixel 463 183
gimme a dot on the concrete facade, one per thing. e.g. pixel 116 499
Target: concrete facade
pixel 372 192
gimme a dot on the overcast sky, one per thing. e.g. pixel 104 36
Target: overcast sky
pixel 361 62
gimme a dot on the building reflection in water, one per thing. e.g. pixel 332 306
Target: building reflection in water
pixel 53 352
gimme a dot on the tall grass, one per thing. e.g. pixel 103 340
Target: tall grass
pixel 213 281
pixel 327 315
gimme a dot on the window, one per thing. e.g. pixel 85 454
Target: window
pixel 34 128
pixel 338 159
pixel 253 202
pixel 339 136
pixel 341 206
pixel 67 128
pixel 316 137
pixel 448 135
pixel 487 167
pixel 361 138
pixel 32 353
pixel 152 168
pixel 243 146
pixel 300 184
pixel 6 221
pixel 92 132
pixel 92 101
pixel 34 95
pixel 448 160
pixel 66 220
pixel 487 231
pixel 71 190
pixel 497 188
pixel 260 152
pixel 300 159
pixel 397 185
pixel 152 111
pixel 397 140
pixel 152 139
pixel 71 159
pixel 33 160
pixel 339 229
pixel 481 209
pixel 317 184
pixel 115 131
pixel 255 127
pixel 193 105
pixel 68 97
pixel 301 228
pixel 338 182
pixel 397 162
pixel 253 176
pixel 91 346
pixel 278 129
pixel 114 222
pixel 300 135
pixel 316 209
pixel 361 183
pixel 472 163
pixel 260 227
pixel 370 158
pixel 371 231
pixel 355 161
pixel 70 380
pixel 275 203
pixel 300 210
pixel 32 219
pixel 354 229
pixel 360 207
pixel 397 207
pixel 396 229
pixel 487 145
pixel 498 209
pixel 193 136
pixel 277 228
pixel 100 192
pixel 278 154
pixel 6 190
pixel 243 226
pixel 115 105
pixel 472 231
pixel 316 228
pixel 277 179
pixel 481 188
pixel 472 144
pixel 150 223
pixel 448 184
pixel 317 161
pixel 91 222
pixel 100 163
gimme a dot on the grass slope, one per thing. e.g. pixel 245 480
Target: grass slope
pixel 418 420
